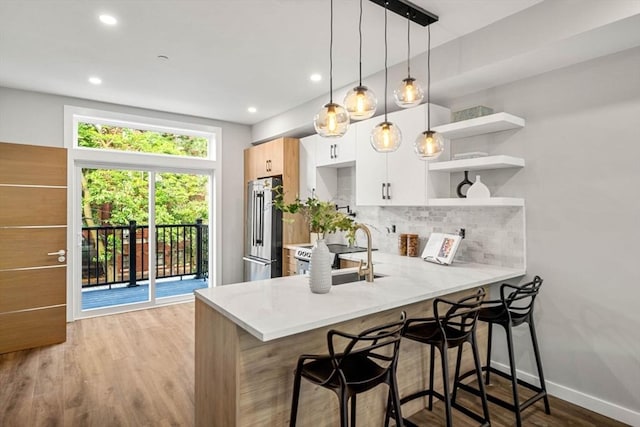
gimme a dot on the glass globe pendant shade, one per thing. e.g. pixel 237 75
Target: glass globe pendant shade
pixel 409 93
pixel 361 103
pixel 332 121
pixel 429 145
pixel 386 137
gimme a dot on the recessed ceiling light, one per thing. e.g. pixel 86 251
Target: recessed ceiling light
pixel 95 80
pixel 252 109
pixel 108 20
pixel 315 77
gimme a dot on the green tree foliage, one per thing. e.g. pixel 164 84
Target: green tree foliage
pixel 115 197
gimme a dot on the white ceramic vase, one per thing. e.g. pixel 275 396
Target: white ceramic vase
pixel 478 190
pixel 320 268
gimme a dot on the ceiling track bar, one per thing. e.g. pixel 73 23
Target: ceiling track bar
pixel 403 7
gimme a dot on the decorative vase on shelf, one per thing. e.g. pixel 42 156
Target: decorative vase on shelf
pixel 320 268
pixel 478 190
pixel 462 184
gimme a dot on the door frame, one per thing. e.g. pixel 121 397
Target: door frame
pixel 78 158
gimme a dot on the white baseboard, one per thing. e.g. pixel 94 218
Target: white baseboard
pixel 579 398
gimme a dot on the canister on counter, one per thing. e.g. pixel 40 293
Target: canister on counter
pixel 413 244
pixel 402 244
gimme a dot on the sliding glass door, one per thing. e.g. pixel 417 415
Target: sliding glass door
pixel 145 237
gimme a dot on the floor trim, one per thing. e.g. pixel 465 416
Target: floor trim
pixel 579 398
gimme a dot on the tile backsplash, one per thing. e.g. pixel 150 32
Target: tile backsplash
pixel 494 235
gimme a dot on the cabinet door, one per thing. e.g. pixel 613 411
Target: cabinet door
pixel 438 183
pixel 335 151
pixel 371 167
pixel 406 173
pixel 308 165
pixel 274 157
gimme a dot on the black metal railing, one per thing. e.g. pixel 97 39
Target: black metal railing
pixel 119 254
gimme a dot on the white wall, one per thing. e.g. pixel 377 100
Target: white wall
pixel 38 119
pixel 581 145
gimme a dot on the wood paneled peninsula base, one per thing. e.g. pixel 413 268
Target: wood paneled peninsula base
pixel 249 336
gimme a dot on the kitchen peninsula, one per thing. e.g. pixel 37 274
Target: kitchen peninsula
pixel 249 337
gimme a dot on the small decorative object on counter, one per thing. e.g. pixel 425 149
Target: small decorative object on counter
pixel 463 184
pixel 413 244
pixel 478 190
pixel 320 268
pixel 402 244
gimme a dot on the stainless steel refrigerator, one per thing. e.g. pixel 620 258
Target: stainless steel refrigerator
pixel 263 246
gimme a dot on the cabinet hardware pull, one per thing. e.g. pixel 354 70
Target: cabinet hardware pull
pixel 384 197
pixel 335 151
pixel 388 191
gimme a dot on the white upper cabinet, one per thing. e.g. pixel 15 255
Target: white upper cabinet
pixel 371 167
pixel 337 152
pixel 308 165
pixel 399 178
pixel 321 182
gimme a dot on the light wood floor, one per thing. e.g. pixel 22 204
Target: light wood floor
pixel 137 369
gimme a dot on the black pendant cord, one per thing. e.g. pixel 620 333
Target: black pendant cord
pixel 385 62
pixel 360 35
pixel 429 78
pixel 331 56
pixel 408 45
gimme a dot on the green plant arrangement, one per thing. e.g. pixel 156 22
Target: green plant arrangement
pixel 322 216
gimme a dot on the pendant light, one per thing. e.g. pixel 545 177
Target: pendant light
pixel 409 93
pixel 333 120
pixel 429 144
pixel 360 102
pixel 386 136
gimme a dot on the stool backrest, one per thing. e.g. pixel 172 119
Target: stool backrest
pixel 380 344
pixel 520 299
pixel 457 319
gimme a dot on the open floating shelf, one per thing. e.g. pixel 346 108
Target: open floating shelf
pixel 480 125
pixel 492 201
pixel 477 163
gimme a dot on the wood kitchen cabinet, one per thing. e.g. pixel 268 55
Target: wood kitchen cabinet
pixel 268 159
pixel 279 157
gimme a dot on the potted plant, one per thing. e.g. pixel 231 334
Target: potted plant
pixel 322 218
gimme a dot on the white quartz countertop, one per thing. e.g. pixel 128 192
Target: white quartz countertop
pixel 276 308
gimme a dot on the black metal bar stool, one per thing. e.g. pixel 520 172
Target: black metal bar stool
pixel 453 324
pixel 366 361
pixel 514 308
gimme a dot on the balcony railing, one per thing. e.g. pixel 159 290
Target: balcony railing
pixel 114 255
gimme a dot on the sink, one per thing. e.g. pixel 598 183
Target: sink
pixel 341 279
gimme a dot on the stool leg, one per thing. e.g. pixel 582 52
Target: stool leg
pixel 387 414
pixel 456 375
pixel 353 410
pixel 536 352
pixel 294 399
pixel 344 412
pixel 476 360
pixel 431 362
pixel 488 365
pixel 514 378
pixel 445 383
pixel 395 394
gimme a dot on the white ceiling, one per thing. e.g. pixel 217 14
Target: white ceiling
pixel 224 55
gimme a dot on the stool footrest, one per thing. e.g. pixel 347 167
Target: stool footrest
pixel 439 396
pixel 507 405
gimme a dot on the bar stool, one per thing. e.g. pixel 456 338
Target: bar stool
pixel 367 360
pixel 453 324
pixel 513 309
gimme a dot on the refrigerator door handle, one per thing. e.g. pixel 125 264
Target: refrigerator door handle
pixel 257 261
